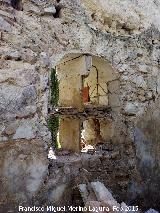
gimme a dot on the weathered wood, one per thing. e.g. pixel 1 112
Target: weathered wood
pixel 93 111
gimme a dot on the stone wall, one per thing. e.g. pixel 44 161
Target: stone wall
pixel 23 170
pixel 34 38
pixel 32 41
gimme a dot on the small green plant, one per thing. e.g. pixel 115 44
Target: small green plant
pixel 53 125
pixel 53 122
pixel 54 88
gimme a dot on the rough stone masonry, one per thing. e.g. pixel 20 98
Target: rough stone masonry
pixel 34 36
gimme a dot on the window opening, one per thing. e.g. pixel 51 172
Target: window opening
pixel 80 103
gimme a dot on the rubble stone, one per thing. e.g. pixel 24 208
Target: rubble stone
pixel 50 10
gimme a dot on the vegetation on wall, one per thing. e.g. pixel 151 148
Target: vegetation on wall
pixel 53 122
pixel 53 125
pixel 54 88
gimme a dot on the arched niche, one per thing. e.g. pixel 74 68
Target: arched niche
pixel 77 71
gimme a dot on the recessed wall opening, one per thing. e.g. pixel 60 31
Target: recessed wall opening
pixel 58 13
pixel 96 135
pixel 90 134
pixel 86 88
pixel 17 4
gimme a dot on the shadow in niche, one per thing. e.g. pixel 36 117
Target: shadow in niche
pixel 58 12
pixel 17 4
pixel 77 198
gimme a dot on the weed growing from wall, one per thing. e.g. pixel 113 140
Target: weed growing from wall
pixel 53 123
pixel 54 88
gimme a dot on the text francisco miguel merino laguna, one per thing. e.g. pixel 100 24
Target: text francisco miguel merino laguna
pixel 76 209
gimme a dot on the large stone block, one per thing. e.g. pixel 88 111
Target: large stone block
pixel 22 171
pixel 27 129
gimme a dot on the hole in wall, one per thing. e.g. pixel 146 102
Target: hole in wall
pixel 82 100
pixel 93 16
pixel 17 4
pixel 8 57
pixel 96 136
pixel 58 12
pixel 90 135
pixel 77 198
